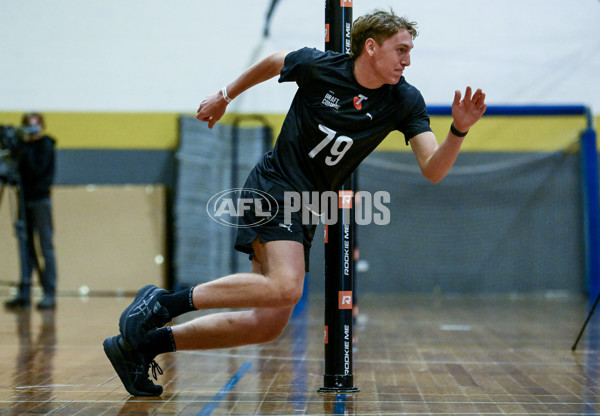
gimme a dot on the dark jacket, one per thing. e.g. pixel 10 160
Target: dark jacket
pixel 36 165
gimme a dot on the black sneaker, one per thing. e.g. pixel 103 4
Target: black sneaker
pixel 17 303
pixel 132 367
pixel 47 302
pixel 143 315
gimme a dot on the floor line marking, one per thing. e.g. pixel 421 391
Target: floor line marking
pixel 218 398
pixel 340 404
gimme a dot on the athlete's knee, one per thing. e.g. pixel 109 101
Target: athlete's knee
pixel 282 263
pixel 271 327
pixel 272 332
pixel 289 290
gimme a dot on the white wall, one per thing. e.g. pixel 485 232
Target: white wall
pixel 166 55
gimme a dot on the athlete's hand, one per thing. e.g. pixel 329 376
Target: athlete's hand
pixel 212 109
pixel 469 110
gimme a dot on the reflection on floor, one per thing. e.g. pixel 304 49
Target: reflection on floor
pixel 412 355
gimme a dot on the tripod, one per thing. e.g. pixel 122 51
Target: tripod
pixel 586 322
pixel 10 177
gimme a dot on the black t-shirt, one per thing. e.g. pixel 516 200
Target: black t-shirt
pixel 334 123
pixel 36 166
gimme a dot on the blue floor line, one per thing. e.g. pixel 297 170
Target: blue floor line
pixel 218 398
pixel 340 404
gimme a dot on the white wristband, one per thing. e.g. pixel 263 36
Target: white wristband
pixel 225 96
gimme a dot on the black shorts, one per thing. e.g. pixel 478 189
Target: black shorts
pixel 252 225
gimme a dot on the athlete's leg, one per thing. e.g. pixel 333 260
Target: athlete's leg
pixel 277 277
pixel 271 290
pixel 276 280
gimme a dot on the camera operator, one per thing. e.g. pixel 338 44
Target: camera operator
pixel 36 167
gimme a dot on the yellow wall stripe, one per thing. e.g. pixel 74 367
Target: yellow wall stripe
pixel 108 130
pixel 160 131
pixel 491 134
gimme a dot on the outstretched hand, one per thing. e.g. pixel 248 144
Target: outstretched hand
pixel 468 111
pixel 212 109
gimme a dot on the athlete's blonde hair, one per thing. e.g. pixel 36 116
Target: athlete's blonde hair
pixel 379 25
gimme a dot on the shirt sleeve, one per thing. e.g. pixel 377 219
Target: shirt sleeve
pixel 298 64
pixel 417 119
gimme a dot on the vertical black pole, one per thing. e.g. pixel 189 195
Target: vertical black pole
pixel 234 183
pixel 339 242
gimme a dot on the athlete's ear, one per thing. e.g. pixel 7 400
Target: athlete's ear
pixel 370 46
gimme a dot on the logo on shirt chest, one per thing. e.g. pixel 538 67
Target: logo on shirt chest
pixel 358 101
pixel 330 100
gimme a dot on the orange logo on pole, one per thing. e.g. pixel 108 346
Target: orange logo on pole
pixel 345 299
pixel 345 199
pixel 326 32
pixel 326 335
pixel 345 3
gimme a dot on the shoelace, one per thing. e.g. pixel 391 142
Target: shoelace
pixel 142 368
pixel 155 369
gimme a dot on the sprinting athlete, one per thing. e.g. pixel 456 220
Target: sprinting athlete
pixel 344 107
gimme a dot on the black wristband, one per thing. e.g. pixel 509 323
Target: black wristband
pixel 456 132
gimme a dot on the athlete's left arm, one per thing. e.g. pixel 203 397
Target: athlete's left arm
pixel 213 107
pixel 436 160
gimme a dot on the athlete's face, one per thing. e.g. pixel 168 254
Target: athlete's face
pixel 392 56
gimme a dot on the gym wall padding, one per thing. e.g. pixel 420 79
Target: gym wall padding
pixel 108 238
pixel 500 222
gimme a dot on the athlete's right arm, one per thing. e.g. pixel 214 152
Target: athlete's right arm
pixel 213 107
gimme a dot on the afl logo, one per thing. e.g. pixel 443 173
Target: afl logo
pixel 358 101
pixel 226 207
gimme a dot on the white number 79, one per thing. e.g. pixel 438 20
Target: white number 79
pixel 338 150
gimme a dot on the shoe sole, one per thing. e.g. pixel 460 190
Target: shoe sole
pixel 17 305
pixel 17 308
pixel 131 340
pixel 112 351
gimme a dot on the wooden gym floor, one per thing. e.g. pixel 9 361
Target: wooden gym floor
pixel 414 355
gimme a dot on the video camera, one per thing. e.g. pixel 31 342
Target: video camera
pixel 11 146
pixel 12 138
